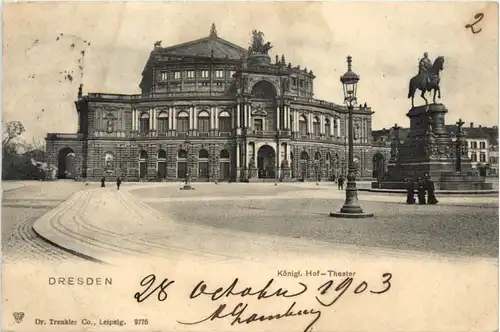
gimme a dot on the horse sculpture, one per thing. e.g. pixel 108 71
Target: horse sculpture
pixel 429 83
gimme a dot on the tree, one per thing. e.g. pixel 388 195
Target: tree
pixel 11 131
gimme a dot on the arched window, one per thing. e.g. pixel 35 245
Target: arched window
pixel 182 122
pixel 182 164
pixel 316 127
pixel 162 154
pixel 304 156
pixel 327 127
pixel 203 154
pixel 317 156
pixel 302 126
pixel 203 122
pixel 203 170
pixel 163 122
pixel 224 122
pixel 224 165
pixel 264 89
pixel 144 127
pixel 143 155
pixel 161 166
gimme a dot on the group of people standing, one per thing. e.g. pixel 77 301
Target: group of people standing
pixel 424 185
pixel 118 182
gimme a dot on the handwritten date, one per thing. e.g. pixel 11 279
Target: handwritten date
pixel 327 295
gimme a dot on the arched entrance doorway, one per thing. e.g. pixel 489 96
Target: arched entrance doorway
pixel 378 165
pixel 143 159
pixel 162 164
pixel 66 164
pixel 266 162
pixel 304 160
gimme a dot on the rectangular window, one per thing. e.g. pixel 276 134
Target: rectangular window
pixel 473 157
pixel 482 157
pixel 219 84
pixel 473 145
pixel 482 145
pixel 162 125
pixel 219 74
pixel 204 74
pixel 190 74
pixel 204 124
pixel 257 124
pixel 182 125
pixel 164 75
pixel 204 84
pixel 294 81
pixel 301 83
pixel 177 75
pixel 225 125
pixel 144 128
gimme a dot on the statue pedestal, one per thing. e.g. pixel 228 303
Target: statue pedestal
pixel 429 149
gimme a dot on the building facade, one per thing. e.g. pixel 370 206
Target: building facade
pixel 214 110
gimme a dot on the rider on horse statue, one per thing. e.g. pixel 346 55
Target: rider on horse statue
pixel 423 68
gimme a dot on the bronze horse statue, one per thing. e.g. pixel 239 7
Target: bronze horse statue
pixel 424 85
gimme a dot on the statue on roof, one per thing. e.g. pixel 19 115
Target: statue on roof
pixel 157 43
pixel 258 46
pixel 213 31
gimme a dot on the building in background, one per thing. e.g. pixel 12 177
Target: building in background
pixel 482 146
pixel 214 110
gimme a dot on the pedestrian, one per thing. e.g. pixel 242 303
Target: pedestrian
pixel 118 183
pixel 340 183
pixel 429 186
pixel 103 182
pixel 421 190
pixel 410 191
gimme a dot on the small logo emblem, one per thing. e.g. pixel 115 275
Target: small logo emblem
pixel 18 316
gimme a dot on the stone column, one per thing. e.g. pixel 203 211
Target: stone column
pixel 322 124
pixel 333 122
pixel 238 123
pixel 277 118
pixel 150 119
pixel 216 118
pixel 170 118
pixel 212 118
pixel 134 120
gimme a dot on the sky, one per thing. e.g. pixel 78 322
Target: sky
pixel 43 44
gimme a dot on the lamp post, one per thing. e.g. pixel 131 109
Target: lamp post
pixel 187 182
pixel 351 207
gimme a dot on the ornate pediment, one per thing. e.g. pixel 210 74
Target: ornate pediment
pixel 259 111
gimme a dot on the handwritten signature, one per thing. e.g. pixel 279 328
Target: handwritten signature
pixel 478 17
pixel 326 295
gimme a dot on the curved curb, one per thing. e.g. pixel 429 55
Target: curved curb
pixel 55 242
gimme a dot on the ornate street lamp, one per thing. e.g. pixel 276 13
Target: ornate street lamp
pixel 351 207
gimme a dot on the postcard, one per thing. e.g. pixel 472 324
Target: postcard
pixel 250 166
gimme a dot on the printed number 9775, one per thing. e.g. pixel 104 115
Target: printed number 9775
pixel 140 321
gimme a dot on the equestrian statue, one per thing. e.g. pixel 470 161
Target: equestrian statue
pixel 427 78
pixel 257 45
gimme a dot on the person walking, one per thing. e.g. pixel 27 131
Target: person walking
pixel 410 191
pixel 118 183
pixel 429 186
pixel 103 182
pixel 421 190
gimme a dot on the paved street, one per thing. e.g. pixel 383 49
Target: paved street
pixel 22 204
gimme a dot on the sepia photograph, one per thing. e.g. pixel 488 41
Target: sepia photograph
pixel 250 166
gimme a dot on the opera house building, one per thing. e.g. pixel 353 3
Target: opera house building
pixel 216 111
